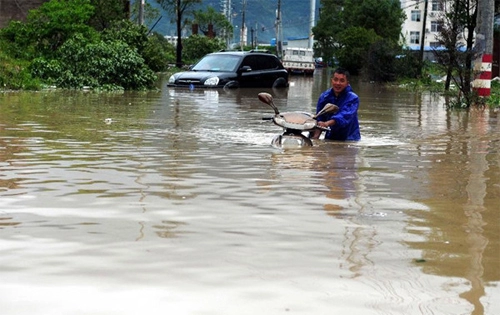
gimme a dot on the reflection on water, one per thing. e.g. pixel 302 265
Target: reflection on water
pixel 177 199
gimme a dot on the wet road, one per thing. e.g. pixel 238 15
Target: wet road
pixel 175 202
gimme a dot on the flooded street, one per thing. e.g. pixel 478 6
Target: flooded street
pixel 175 202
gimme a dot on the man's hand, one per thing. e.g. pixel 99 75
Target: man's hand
pixel 327 123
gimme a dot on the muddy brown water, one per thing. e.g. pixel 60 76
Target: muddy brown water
pixel 174 202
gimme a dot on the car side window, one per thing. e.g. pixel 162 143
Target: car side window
pixel 268 62
pixel 250 61
pixel 260 62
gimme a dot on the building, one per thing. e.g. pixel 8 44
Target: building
pixel 414 31
pixel 173 39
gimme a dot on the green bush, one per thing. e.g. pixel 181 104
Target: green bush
pixel 158 53
pixel 407 64
pixel 47 28
pixel 15 42
pixel 57 46
pixel 196 46
pixel 132 34
pixel 82 63
pixel 494 99
pixel 15 76
pixel 155 49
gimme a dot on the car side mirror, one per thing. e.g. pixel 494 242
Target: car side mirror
pixel 245 69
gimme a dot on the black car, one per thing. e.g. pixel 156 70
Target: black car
pixel 233 69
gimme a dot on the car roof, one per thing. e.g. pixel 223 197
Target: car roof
pixel 242 53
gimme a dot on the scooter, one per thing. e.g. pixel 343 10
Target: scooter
pixel 294 124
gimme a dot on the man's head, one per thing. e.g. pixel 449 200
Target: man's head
pixel 340 80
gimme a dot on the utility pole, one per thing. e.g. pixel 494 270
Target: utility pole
pixel 484 48
pixel 422 41
pixel 256 30
pixel 251 37
pixel 313 13
pixel 279 43
pixel 226 10
pixel 242 37
pixel 141 13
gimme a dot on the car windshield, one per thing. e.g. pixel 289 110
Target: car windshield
pixel 217 63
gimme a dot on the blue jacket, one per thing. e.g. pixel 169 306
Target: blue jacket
pixel 346 119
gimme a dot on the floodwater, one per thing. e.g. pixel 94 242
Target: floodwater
pixel 174 202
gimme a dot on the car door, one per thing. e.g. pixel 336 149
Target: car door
pixel 273 70
pixel 249 74
pixel 267 67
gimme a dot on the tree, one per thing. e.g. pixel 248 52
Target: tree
pixel 197 46
pixel 108 11
pixel 347 28
pixel 178 8
pixel 382 65
pixel 458 20
pixel 355 43
pixel 328 26
pixel 151 14
pixel 212 18
pixel 384 17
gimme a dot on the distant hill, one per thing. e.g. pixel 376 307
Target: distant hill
pixel 260 15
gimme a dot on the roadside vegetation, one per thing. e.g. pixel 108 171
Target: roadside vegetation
pixel 365 39
pixel 94 44
pixel 61 45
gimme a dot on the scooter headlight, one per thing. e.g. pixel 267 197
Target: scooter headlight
pixel 213 81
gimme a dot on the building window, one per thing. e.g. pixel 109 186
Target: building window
pixel 415 15
pixel 435 44
pixel 414 37
pixel 436 26
pixel 437 5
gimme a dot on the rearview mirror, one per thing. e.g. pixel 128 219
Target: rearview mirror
pixel 245 69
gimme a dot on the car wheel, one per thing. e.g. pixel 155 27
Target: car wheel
pixel 280 83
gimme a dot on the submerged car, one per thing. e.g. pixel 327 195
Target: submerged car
pixel 234 69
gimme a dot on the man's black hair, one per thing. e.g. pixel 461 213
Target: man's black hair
pixel 343 71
